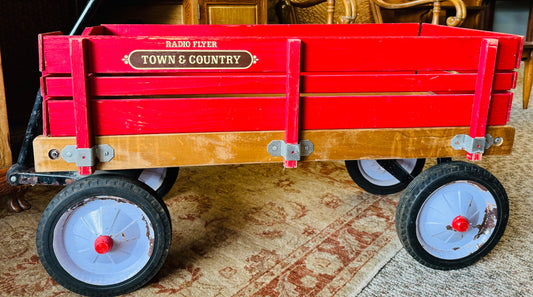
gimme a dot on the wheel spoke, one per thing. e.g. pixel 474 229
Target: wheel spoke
pixel 114 220
pixel 85 250
pixel 89 226
pixel 124 229
pixel 81 236
pixel 101 225
pixel 110 258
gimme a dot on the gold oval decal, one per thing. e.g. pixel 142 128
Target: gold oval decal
pixel 185 59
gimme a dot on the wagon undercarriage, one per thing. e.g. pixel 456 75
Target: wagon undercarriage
pixel 126 105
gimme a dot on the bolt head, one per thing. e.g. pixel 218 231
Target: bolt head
pixel 274 148
pixel 13 179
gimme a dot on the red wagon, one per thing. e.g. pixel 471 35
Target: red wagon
pixel 123 101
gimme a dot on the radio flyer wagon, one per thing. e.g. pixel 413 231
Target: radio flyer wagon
pixel 148 99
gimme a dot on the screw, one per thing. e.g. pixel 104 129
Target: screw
pixel 53 154
pixel 498 141
pixel 69 154
pixel 274 148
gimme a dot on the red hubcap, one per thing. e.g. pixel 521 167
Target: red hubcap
pixel 103 244
pixel 460 224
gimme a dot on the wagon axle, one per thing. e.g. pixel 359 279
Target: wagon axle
pixel 103 244
pixel 460 224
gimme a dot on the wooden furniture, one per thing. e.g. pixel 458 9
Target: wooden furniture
pixel 225 12
pixel 5 150
pixel 365 11
pixel 16 202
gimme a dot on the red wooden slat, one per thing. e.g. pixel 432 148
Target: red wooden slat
pixel 289 31
pixel 343 53
pixel 42 67
pixel 482 96
pixel 154 116
pixel 510 45
pixel 275 84
pixel 292 114
pixel 80 86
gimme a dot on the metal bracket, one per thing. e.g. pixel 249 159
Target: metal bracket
pixel 290 152
pixel 472 145
pixel 87 156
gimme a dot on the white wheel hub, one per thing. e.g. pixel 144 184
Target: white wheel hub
pixel 456 220
pixel 125 224
pixel 153 177
pixel 377 175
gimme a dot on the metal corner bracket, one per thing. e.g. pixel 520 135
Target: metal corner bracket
pixel 87 156
pixel 472 145
pixel 290 152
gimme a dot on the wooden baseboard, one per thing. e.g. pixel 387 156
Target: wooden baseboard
pixel 194 149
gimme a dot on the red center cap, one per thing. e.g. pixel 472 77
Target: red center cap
pixel 103 244
pixel 460 224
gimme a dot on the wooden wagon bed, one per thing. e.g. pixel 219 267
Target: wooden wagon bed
pixel 164 96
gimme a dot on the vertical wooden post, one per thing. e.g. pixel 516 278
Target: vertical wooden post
pixel 293 95
pixel 80 87
pixel 5 150
pixel 483 91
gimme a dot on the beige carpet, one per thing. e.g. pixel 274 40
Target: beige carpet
pixel 241 231
pixel 508 269
pixel 260 230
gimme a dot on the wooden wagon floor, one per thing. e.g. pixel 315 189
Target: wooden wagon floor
pixel 264 231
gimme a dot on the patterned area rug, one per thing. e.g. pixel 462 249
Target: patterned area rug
pixel 245 230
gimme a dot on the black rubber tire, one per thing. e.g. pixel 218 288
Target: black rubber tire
pixel 423 186
pixel 131 190
pixel 171 175
pixel 357 176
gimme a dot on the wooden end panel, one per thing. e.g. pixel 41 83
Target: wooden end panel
pixel 289 31
pixel 511 46
pixel 167 150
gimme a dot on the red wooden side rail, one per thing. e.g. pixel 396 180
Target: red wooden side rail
pixel 154 79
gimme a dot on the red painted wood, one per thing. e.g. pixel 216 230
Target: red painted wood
pixel 156 115
pixel 373 53
pixel 41 49
pixel 483 94
pixel 275 83
pixel 510 45
pixel 288 31
pixel 97 30
pixel 292 118
pixel 330 59
pixel 80 86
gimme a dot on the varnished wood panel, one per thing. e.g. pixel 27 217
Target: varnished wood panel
pixel 5 151
pixel 192 149
pixel 232 14
pixel 228 12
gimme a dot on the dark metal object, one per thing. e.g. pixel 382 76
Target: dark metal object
pixel 23 172
pixel 396 170
pixel 443 160
pixel 18 175
pixel 85 16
